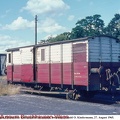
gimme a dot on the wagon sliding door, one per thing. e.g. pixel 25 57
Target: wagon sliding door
pixel 80 64
pixel 26 64
pixel 16 66
pixel 49 65
pixel 54 64
pixel 42 59
pixel 9 66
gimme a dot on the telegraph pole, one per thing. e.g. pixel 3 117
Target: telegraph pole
pixel 34 53
pixel 36 29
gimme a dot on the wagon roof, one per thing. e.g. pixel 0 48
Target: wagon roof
pixel 59 42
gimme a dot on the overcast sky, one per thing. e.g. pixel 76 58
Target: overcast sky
pixel 54 17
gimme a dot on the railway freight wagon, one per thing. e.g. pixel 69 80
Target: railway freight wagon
pixel 2 64
pixel 84 65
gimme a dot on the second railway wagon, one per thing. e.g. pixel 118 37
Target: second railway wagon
pixel 2 64
pixel 84 64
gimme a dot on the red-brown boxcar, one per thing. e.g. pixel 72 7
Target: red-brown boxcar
pixel 90 64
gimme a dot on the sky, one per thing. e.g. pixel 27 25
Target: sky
pixel 54 17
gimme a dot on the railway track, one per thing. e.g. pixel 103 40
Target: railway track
pixel 102 98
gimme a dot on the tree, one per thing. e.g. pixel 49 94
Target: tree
pixel 61 37
pixel 90 26
pixel 77 32
pixel 113 28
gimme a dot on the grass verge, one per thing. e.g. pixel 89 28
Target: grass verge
pixel 8 89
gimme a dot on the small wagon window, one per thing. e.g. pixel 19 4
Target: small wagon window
pixel 42 54
pixel 9 58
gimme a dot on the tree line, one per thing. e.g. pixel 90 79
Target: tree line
pixel 91 26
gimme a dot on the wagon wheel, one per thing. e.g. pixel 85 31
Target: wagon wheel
pixel 69 96
pixel 72 95
pixel 114 84
pixel 77 96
